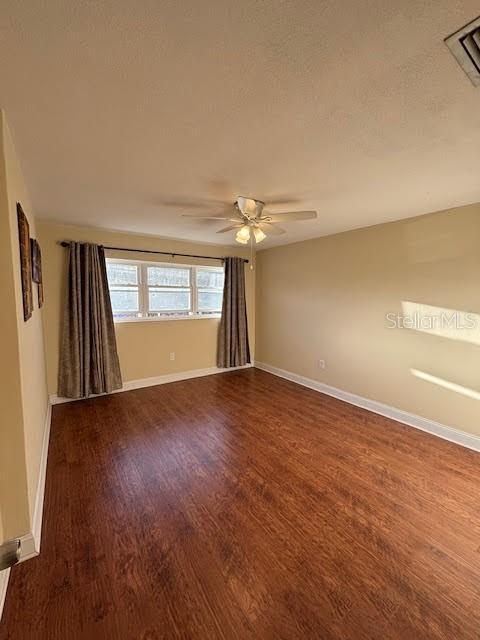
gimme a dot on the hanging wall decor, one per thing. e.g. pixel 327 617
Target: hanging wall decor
pixel 25 262
pixel 37 269
pixel 40 295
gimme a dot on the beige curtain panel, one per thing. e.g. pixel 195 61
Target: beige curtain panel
pixel 233 348
pixel 88 354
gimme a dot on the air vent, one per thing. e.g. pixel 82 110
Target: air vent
pixel 465 46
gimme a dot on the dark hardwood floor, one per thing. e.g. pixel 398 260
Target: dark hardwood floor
pixel 243 506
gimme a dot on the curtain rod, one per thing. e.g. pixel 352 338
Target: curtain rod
pixel 64 243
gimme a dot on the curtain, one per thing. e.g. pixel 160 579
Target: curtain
pixel 88 351
pixel 233 349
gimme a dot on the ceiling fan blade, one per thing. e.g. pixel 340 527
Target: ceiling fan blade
pixel 197 203
pixel 285 199
pixel 230 228
pixel 230 219
pixel 288 216
pixel 247 206
pixel 271 228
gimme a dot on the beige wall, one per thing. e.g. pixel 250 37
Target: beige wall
pixel 23 374
pixel 144 347
pixel 13 479
pixel 327 299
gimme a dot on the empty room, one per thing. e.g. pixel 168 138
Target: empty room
pixel 240 330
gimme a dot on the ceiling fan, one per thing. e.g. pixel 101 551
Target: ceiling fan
pixel 252 222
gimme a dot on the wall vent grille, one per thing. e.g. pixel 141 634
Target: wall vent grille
pixel 465 46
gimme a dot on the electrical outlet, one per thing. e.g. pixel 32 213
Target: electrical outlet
pixel 172 355
pixel 321 364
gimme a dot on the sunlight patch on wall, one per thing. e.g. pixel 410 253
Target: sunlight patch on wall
pixel 446 384
pixel 463 326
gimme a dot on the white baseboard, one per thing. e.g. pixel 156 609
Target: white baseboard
pixel 4 575
pixel 151 382
pixel 30 542
pixel 424 424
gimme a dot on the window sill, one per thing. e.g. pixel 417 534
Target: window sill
pixel 166 319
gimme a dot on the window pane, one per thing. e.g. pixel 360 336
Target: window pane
pixel 119 273
pixel 169 300
pixel 124 301
pixel 169 276
pixel 210 300
pixel 210 278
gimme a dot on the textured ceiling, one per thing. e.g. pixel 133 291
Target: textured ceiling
pixel 122 109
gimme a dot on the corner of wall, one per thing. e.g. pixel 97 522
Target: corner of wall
pixel 22 377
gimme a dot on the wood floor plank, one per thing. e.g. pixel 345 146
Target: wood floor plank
pixel 243 506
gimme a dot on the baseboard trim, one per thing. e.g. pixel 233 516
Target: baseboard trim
pixel 4 575
pixel 30 542
pixel 130 385
pixel 451 434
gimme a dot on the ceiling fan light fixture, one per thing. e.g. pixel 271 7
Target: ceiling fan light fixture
pixel 259 235
pixel 252 222
pixel 243 235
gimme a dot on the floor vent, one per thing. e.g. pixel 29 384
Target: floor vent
pixel 465 46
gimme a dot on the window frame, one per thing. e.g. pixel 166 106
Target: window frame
pixel 143 290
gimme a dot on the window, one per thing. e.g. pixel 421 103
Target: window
pixel 155 291
pixel 209 286
pixel 123 282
